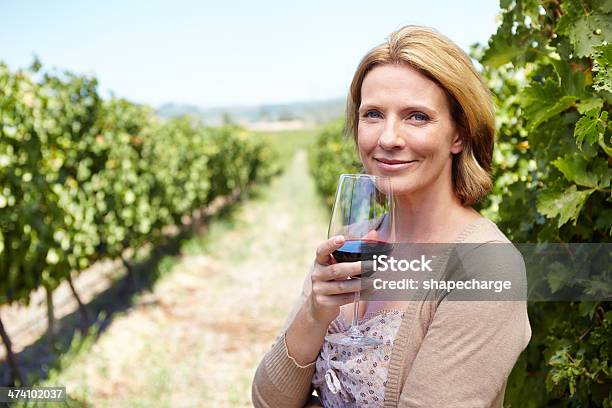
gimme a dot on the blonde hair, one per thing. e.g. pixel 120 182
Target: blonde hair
pixel 438 58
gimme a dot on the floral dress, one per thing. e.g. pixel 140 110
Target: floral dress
pixel 351 376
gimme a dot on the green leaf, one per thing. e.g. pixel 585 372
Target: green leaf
pixel 590 127
pixel 584 29
pixel 542 102
pixel 588 308
pixel 559 276
pixel 604 221
pixel 603 171
pixel 501 52
pixel 588 104
pixel 602 65
pixel 509 43
pixel 574 168
pixel 565 204
pixel 571 81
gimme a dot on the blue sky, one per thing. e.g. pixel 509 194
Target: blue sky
pixel 222 53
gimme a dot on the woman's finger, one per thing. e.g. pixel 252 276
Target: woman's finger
pixel 337 271
pixel 336 287
pixel 326 248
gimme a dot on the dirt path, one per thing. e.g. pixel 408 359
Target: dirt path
pixel 196 339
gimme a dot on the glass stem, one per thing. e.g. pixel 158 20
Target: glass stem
pixel 354 331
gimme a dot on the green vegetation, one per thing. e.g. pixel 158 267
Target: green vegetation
pixel 83 179
pixel 331 155
pixel 548 67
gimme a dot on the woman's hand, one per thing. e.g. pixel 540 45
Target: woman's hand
pixel 331 286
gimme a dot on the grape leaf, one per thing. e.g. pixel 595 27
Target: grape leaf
pixel 588 104
pixel 559 276
pixel 590 127
pixel 501 53
pixel 571 81
pixel 513 42
pixel 542 102
pixel 584 29
pixel 574 168
pixel 565 204
pixel 603 171
pixel 604 220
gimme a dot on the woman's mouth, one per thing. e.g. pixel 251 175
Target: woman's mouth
pixel 393 164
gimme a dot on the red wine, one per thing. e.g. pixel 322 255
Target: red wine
pixel 361 250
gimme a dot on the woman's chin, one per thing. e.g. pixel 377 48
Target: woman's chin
pixel 411 187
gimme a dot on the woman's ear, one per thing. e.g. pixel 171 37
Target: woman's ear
pixel 457 143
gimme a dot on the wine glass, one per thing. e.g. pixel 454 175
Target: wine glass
pixel 364 214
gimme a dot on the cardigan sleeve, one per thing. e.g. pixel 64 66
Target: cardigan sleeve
pixel 279 380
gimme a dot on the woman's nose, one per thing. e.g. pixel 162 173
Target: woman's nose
pixel 391 138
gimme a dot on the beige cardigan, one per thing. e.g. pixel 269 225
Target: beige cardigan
pixel 446 354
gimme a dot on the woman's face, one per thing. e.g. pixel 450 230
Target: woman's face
pixel 406 130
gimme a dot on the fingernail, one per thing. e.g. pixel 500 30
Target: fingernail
pixel 339 240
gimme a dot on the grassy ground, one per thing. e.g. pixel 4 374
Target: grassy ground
pixel 287 142
pixel 197 337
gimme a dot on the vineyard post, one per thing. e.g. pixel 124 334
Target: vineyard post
pixel 82 308
pixel 50 317
pixel 12 362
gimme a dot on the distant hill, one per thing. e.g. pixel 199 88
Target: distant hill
pixel 309 112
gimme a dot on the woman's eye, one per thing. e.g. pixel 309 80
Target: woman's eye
pixel 372 114
pixel 418 116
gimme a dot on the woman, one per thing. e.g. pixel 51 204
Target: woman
pixel 420 114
